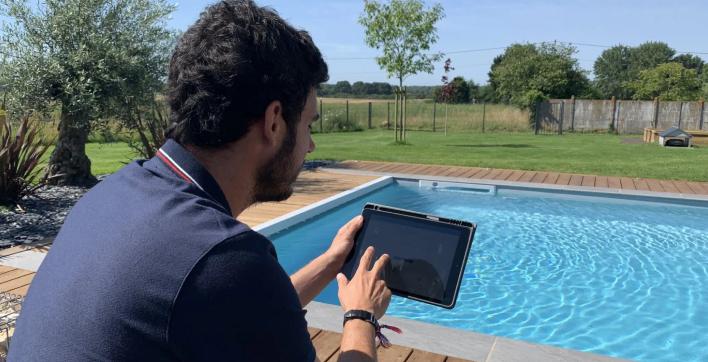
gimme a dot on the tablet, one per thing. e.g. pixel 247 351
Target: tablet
pixel 427 253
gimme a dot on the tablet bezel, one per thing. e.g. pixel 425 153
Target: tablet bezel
pixel 467 231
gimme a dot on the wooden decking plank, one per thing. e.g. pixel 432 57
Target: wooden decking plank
pixel 472 172
pixel 481 174
pixel 588 181
pixel 460 172
pixel 424 169
pixel 697 188
pixel 504 175
pixel 393 354
pixel 313 332
pixel 515 176
pixel 493 174
pixel 528 175
pixel 641 185
pixel 552 178
pixel 627 183
pixel 389 167
pixel 601 181
pixel 435 170
pixel 11 275
pixel 326 344
pixel 576 180
pixel 378 166
pixel 655 185
pixel 452 170
pixel 683 187
pixel 20 291
pixel 17 283
pixel 410 169
pixel 669 186
pixel 564 179
pixel 4 269
pixel 422 356
pixel 440 171
pixel 539 177
pixel 614 182
pixel 455 359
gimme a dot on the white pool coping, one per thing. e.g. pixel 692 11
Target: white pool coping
pixel 283 222
pixel 533 186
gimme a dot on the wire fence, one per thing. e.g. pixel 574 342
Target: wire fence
pixel 427 116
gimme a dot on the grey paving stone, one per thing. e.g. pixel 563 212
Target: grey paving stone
pixel 511 350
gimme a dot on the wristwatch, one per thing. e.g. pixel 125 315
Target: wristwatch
pixel 363 315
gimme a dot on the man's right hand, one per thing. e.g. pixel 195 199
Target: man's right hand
pixel 366 291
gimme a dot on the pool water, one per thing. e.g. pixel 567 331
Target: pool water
pixel 620 278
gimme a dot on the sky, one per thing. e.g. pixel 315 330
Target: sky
pixel 484 24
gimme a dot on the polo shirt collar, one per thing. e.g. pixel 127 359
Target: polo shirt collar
pixel 191 170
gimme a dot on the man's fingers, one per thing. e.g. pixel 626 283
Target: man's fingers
pixel 342 281
pixel 365 262
pixel 380 264
pixel 352 226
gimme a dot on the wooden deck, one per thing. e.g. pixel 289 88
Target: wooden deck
pixel 683 187
pixel 15 280
pixel 327 345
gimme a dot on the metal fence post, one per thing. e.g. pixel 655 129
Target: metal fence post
pixel 321 116
pixel 618 119
pixel 369 115
pixel 536 116
pixel 680 113
pixel 572 114
pixel 435 106
pixel 484 115
pixel 560 128
pixel 614 108
pixel 347 114
pixel 656 112
pixel 700 117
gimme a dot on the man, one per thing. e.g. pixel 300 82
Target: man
pixel 151 265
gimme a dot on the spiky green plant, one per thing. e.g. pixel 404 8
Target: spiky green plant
pixel 20 159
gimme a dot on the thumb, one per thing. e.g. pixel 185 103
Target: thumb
pixel 342 281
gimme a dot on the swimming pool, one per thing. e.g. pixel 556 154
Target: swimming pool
pixel 621 278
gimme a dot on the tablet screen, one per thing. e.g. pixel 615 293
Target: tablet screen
pixel 422 253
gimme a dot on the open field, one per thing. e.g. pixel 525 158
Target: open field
pixel 592 154
pixel 423 116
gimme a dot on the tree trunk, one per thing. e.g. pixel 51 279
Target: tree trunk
pixel 68 164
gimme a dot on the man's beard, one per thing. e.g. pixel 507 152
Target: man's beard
pixel 275 179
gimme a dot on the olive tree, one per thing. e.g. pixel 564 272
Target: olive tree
pixel 91 59
pixel 404 30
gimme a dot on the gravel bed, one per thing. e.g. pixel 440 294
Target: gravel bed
pixel 47 211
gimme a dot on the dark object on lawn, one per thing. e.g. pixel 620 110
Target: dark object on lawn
pixel 675 133
pixel 675 143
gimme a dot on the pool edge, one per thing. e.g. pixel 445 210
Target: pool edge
pixel 283 222
pixel 637 195
pixel 468 345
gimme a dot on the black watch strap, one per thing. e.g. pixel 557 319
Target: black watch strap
pixel 363 315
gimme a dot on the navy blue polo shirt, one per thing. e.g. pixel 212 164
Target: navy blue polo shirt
pixel 151 266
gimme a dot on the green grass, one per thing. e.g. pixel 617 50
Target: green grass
pixel 419 116
pixel 105 158
pixel 593 154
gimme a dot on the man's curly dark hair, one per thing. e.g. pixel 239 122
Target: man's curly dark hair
pixel 230 65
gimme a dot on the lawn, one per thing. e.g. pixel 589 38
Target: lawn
pixel 105 157
pixel 593 154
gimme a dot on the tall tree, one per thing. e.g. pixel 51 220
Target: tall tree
pixel 649 55
pixel 404 30
pixel 86 57
pixel 490 92
pixel 612 69
pixel 343 87
pixel 668 82
pixel 690 61
pixel 358 88
pixel 474 90
pixel 530 71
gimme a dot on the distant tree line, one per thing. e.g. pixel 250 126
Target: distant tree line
pixel 363 90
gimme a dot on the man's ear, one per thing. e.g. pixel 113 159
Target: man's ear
pixel 273 121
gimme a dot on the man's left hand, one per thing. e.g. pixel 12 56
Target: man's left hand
pixel 343 242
